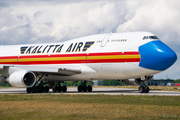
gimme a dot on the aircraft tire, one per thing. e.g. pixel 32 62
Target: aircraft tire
pixel 38 89
pixel 41 89
pixel 84 88
pixel 33 89
pixel 141 89
pixel 46 89
pixel 146 90
pixel 28 90
pixel 80 88
pixel 59 88
pixel 64 88
pixel 54 89
pixel 89 88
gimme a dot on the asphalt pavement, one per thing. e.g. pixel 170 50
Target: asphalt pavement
pixel 96 90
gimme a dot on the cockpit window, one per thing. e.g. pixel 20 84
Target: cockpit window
pixel 153 37
pixel 145 37
pixel 150 37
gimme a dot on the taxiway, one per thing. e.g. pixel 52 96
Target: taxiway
pixel 96 90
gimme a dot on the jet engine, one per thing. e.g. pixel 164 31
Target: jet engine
pixel 22 78
pixel 137 81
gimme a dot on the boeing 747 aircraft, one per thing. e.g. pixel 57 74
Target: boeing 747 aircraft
pixel 132 57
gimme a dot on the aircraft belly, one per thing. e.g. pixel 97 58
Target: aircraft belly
pixel 113 71
pixel 135 71
pixel 123 71
pixel 87 73
pixel 68 78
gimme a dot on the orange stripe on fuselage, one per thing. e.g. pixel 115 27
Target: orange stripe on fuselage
pixel 108 57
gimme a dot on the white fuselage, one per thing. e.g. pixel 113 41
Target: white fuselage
pixel 104 56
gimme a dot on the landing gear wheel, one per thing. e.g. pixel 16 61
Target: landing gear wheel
pixel 33 89
pixel 141 89
pixel 28 90
pixel 89 88
pixel 37 89
pixel 146 90
pixel 54 89
pixel 64 88
pixel 80 88
pixel 41 89
pixel 46 89
pixel 84 88
pixel 59 88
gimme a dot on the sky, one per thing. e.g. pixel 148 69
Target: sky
pixel 42 21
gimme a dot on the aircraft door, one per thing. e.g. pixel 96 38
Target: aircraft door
pixel 105 40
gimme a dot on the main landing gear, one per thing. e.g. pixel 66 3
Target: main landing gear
pixel 59 88
pixel 38 89
pixel 84 88
pixel 45 89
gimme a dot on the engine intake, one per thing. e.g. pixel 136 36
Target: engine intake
pixel 22 79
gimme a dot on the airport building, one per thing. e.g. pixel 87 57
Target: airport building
pixel 156 82
pixel 153 82
pixel 98 82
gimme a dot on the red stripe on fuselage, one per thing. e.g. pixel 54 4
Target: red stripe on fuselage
pixel 72 61
pixel 68 55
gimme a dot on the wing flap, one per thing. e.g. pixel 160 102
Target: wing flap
pixel 69 71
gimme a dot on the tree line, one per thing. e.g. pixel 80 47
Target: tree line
pixel 70 83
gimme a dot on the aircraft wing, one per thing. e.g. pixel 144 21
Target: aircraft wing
pixel 59 70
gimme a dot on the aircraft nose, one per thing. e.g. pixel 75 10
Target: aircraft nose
pixel 156 55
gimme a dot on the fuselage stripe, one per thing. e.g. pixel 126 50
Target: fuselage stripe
pixel 72 58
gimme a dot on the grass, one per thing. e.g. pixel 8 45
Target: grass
pixel 50 106
pixel 2 87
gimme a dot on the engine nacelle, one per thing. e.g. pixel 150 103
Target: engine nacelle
pixel 137 81
pixel 22 78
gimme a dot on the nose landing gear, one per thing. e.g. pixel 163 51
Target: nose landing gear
pixel 143 89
